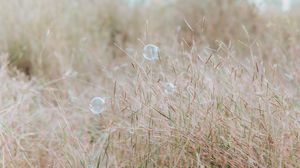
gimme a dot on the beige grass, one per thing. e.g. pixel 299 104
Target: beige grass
pixel 236 71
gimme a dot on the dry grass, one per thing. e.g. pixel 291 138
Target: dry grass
pixel 236 71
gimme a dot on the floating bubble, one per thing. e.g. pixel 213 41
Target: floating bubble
pixel 151 52
pixel 97 105
pixel 169 88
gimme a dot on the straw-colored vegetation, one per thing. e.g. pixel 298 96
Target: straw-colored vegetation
pixel 236 71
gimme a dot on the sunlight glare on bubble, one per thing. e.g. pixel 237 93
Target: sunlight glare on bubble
pixel 97 105
pixel 151 52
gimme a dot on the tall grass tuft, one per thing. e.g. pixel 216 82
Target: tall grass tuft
pixel 234 72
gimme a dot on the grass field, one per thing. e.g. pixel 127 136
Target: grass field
pixel 235 69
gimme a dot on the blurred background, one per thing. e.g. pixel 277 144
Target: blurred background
pixel 283 5
pixel 234 65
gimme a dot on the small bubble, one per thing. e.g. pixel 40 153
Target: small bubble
pixel 97 105
pixel 151 52
pixel 169 88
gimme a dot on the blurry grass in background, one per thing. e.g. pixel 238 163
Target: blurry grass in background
pixel 235 68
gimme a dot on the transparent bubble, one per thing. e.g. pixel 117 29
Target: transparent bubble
pixel 151 52
pixel 97 105
pixel 89 166
pixel 169 88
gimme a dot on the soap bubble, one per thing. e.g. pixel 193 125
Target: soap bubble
pixel 97 105
pixel 169 88
pixel 151 52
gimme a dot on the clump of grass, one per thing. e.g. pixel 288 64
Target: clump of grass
pixel 235 104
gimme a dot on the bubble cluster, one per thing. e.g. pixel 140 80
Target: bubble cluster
pixel 169 88
pixel 97 105
pixel 151 52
